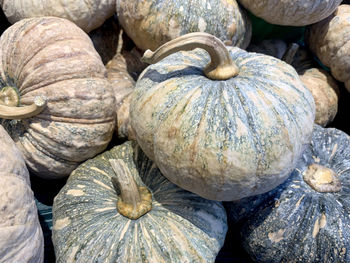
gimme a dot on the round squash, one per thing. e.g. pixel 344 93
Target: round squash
pixel 152 23
pixel 291 12
pixel 224 130
pixel 306 219
pixel 329 40
pixel 21 235
pixel 88 14
pixel 58 104
pixel 118 207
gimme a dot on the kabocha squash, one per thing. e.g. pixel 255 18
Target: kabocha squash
pixel 118 207
pixel 21 237
pixel 306 219
pixel 88 14
pixel 152 23
pixel 322 85
pixel 330 41
pixel 226 130
pixel 65 114
pixel 291 12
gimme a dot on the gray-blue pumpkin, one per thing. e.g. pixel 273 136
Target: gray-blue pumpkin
pixel 90 222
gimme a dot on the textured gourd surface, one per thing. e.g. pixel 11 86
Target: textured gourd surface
pixel 330 41
pixel 181 227
pixel 295 223
pixel 21 237
pixel 152 23
pixel 223 140
pixel 291 12
pixel 88 14
pixel 54 58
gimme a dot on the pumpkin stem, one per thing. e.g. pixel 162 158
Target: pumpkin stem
pixel 134 201
pixel 8 109
pixel 220 67
pixel 322 179
pixel 289 55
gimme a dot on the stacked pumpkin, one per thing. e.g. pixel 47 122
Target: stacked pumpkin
pixel 209 121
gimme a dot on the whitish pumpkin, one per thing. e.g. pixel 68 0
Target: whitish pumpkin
pixel 322 85
pixel 291 12
pixel 306 219
pixel 118 207
pixel 151 23
pixel 54 84
pixel 88 14
pixel 21 237
pixel 330 41
pixel 224 130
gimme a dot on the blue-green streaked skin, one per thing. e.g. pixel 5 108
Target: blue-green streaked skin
pixel 181 227
pixel 224 140
pixel 295 223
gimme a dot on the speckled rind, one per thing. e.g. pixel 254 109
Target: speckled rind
pixel 294 223
pixel 152 23
pixel 329 40
pixel 291 12
pixel 88 14
pixel 223 140
pixel 181 227
pixel 21 237
pixel 52 57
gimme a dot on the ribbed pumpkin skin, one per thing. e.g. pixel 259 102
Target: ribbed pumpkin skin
pixel 330 41
pixel 21 237
pixel 88 14
pixel 223 140
pixel 54 58
pixel 291 12
pixel 152 23
pixel 294 223
pixel 181 227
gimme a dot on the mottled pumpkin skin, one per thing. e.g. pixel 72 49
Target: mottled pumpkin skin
pixel 54 58
pixel 88 14
pixel 330 41
pixel 223 140
pixel 21 235
pixel 152 23
pixel 181 227
pixel 291 12
pixel 295 223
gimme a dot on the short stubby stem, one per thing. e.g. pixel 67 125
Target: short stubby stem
pixel 322 179
pixel 221 65
pixel 134 201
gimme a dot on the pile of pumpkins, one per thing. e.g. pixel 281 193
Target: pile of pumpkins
pixel 170 126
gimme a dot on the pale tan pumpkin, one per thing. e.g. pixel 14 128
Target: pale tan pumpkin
pixel 291 12
pixel 52 59
pixel 88 14
pixel 330 41
pixel 21 237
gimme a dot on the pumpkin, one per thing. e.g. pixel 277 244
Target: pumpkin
pixel 57 103
pixel 226 130
pixel 21 235
pixel 88 15
pixel 118 207
pixel 306 219
pixel 152 23
pixel 321 84
pixel 330 42
pixel 291 12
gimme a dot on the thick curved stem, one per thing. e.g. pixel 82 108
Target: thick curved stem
pixel 9 97
pixel 289 55
pixel 220 67
pixel 23 112
pixel 322 179
pixel 134 201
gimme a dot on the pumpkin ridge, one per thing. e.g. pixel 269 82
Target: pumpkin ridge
pixel 49 117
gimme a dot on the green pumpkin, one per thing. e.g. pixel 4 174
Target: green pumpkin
pixel 89 224
pixel 223 139
pixel 306 219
